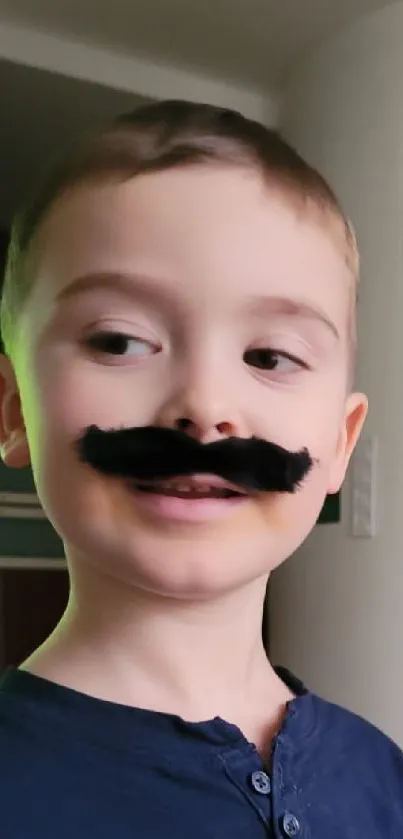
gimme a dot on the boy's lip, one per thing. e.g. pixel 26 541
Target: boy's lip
pixel 175 508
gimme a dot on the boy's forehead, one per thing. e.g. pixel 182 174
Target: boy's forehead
pixel 220 229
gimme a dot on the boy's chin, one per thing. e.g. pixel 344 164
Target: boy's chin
pixel 186 568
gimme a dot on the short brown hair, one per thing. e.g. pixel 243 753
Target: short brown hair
pixel 161 136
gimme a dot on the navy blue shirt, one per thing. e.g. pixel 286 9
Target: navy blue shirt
pixel 74 767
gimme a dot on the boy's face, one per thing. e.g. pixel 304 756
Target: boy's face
pixel 201 267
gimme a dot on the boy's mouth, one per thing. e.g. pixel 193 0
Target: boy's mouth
pixel 188 498
pixel 193 486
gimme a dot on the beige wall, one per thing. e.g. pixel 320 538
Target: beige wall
pixel 337 606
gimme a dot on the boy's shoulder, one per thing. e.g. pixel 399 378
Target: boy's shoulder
pixel 335 726
pixel 337 755
pixel 353 728
pixel 348 730
pixel 365 764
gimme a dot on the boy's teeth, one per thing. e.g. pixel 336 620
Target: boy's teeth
pixel 184 486
pixel 187 487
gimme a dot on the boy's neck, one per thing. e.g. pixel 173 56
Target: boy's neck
pixel 197 660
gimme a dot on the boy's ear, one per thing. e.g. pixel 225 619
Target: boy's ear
pixel 354 418
pixel 14 449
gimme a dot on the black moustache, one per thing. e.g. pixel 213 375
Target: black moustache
pixel 150 453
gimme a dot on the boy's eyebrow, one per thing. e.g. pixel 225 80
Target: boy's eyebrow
pixel 131 285
pixel 268 306
pixel 148 288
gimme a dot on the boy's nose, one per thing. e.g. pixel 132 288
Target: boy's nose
pixel 202 413
pixel 206 433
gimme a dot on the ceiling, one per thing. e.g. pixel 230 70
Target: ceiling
pixel 250 41
pixel 39 112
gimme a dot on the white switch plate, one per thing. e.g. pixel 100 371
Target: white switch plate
pixel 363 502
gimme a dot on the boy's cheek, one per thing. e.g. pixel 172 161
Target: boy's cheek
pixel 65 406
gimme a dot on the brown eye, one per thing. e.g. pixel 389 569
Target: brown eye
pixel 118 343
pixel 264 358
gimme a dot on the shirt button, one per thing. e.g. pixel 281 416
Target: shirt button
pixel 261 782
pixel 290 825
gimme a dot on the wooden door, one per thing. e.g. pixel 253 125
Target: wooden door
pixel 31 604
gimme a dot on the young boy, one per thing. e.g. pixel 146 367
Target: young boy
pixel 178 318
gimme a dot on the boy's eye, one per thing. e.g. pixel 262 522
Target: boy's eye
pixel 264 358
pixel 118 343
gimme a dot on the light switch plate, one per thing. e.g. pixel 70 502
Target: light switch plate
pixel 364 481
